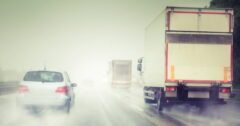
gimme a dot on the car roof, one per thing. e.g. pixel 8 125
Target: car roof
pixel 52 70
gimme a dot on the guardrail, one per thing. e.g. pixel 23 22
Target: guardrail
pixel 8 87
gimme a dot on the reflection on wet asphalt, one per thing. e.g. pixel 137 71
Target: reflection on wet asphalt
pixel 103 106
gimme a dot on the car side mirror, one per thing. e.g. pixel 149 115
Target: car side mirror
pixel 73 85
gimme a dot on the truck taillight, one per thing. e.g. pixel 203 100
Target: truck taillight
pixel 23 89
pixel 170 89
pixel 63 90
pixel 225 90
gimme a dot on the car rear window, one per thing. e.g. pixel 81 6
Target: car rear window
pixel 43 76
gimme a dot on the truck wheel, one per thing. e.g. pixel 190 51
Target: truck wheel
pixel 221 102
pixel 160 101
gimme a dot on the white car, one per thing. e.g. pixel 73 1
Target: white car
pixel 46 88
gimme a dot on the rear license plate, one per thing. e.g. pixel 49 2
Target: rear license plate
pixel 198 94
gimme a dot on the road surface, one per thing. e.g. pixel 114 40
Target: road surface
pixel 98 105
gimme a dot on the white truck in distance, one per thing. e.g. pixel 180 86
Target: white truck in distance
pixel 121 72
pixel 188 56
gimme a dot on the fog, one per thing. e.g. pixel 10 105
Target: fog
pixel 104 106
pixel 81 37
pixel 209 114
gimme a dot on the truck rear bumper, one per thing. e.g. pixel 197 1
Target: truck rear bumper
pixel 192 92
pixel 194 101
pixel 198 94
pixel 183 93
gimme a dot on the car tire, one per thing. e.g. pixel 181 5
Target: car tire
pixel 73 100
pixel 67 107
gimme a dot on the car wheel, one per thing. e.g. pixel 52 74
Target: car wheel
pixel 67 107
pixel 73 100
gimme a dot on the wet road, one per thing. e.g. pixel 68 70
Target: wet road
pixel 103 106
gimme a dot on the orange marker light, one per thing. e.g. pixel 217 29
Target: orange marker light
pixel 225 74
pixel 172 72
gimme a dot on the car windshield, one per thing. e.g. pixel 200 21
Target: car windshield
pixel 43 76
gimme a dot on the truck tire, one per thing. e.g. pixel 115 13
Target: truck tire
pixel 160 101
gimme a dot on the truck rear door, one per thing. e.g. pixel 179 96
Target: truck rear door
pixel 121 72
pixel 198 57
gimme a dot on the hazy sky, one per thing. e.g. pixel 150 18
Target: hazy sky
pixel 80 35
